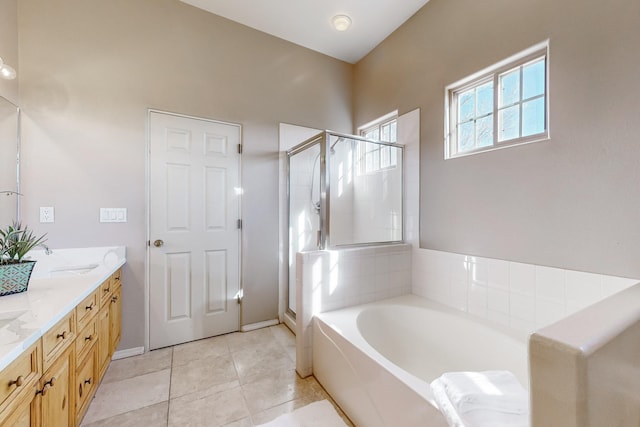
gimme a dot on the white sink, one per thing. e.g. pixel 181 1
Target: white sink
pixel 74 269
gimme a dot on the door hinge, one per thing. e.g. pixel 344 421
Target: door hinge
pixel 239 224
pixel 239 148
pixel 148 242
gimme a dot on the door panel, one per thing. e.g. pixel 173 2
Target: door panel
pixel 194 272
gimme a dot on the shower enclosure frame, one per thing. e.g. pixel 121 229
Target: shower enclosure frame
pixel 323 240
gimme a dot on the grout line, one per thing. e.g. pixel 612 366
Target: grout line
pixel 170 377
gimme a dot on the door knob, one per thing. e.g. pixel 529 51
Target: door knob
pixel 158 243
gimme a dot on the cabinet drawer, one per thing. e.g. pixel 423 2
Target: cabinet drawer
pixel 106 289
pixel 117 278
pixel 58 338
pixel 20 376
pixel 85 382
pixel 86 338
pixel 87 309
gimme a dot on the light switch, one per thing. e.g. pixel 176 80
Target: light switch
pixel 113 214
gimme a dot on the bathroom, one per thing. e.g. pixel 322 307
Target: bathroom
pixel 89 71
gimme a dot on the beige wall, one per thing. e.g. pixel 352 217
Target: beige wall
pixel 571 202
pixel 89 71
pixel 9 46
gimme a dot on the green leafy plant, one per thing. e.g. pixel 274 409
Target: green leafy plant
pixel 16 242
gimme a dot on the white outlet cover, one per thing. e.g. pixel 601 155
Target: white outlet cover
pixel 47 214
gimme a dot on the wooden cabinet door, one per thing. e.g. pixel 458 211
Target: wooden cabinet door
pixel 115 314
pixel 23 417
pixel 57 407
pixel 85 382
pixel 104 340
pixel 24 414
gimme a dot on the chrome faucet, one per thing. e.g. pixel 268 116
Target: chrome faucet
pixel 47 251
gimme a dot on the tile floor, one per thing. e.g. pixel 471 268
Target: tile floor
pixel 240 379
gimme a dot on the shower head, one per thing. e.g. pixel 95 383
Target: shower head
pixel 332 149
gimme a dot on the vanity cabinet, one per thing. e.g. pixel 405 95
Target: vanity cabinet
pixel 104 345
pixel 115 319
pixel 52 383
pixel 18 384
pixel 86 382
pixel 54 395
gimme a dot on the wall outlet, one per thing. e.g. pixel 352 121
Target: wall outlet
pixel 47 214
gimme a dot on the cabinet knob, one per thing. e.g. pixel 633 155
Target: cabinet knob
pixel 88 381
pixel 89 307
pixel 63 335
pixel 106 290
pixel 18 381
pixel 89 338
pixel 46 386
pixel 114 299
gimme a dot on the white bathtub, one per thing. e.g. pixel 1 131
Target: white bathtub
pixel 377 360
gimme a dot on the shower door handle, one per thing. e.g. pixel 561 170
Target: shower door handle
pixel 318 239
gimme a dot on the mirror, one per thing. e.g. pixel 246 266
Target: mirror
pixel 9 161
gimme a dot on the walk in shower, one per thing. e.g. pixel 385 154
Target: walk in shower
pixel 344 191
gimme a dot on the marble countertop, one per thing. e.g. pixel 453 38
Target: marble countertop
pixel 59 282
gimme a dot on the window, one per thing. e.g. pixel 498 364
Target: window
pixel 504 105
pixel 375 157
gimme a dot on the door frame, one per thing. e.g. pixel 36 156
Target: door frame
pixel 147 263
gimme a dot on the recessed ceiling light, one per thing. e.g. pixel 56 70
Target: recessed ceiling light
pixel 341 22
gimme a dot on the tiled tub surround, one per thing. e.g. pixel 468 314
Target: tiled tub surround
pixel 329 280
pixel 377 360
pixel 585 369
pixel 525 297
pixel 52 293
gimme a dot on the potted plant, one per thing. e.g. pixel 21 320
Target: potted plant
pixel 15 243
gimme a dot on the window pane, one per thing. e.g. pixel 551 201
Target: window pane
pixel 394 156
pixel 372 134
pixel 466 105
pixel 393 133
pixel 385 157
pixel 509 123
pixel 484 131
pixel 376 160
pixel 533 79
pixel 485 98
pixel 510 88
pixel 533 117
pixel 369 162
pixel 466 134
pixel 384 133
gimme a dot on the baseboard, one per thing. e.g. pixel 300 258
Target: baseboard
pixel 259 325
pixel 288 320
pixel 121 354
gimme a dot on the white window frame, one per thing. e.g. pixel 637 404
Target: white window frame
pixel 494 72
pixel 377 124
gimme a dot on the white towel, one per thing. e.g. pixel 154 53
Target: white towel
pixel 476 399
pixel 445 405
pixel 494 390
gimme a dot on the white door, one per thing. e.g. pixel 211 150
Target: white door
pixel 194 252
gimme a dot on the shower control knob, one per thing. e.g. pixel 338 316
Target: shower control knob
pixel 158 243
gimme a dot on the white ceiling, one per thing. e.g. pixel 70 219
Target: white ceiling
pixel 308 22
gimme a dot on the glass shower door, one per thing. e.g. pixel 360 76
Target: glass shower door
pixel 304 208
